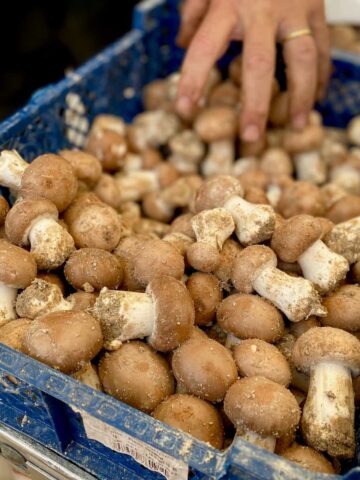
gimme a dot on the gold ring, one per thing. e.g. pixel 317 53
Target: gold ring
pixel 297 33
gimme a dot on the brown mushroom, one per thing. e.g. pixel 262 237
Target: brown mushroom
pixel 297 329
pixel 223 272
pixel 344 209
pixel 308 458
pixel 12 333
pixel 344 239
pixel 301 197
pixel 82 301
pixel 52 278
pixel 87 167
pixel 4 208
pixel 308 139
pixel 88 375
pixel 226 94
pixel 343 309
pixel 206 293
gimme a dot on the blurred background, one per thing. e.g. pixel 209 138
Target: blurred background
pixel 40 39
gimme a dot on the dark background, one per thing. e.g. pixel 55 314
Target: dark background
pixel 40 39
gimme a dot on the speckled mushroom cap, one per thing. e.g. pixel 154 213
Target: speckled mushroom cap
pixel 301 197
pixel 145 258
pixel 343 308
pixel 326 344
pixel 193 416
pixel 52 177
pixel 204 368
pixel 298 328
pixel 4 208
pixel 294 236
pixel 344 209
pixel 174 311
pixel 229 252
pixel 262 406
pixel 216 123
pixel 82 301
pixel 22 216
pixel 87 167
pixel 250 316
pixel 136 375
pixel 182 224
pixel 247 265
pixel 52 278
pixel 308 458
pixel 65 340
pixel 12 333
pixel 255 357
pixel 216 191
pixel 18 267
pixel 92 269
pixel 206 293
pixel 306 140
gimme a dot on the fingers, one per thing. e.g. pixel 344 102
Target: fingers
pixel 192 13
pixel 301 61
pixel 257 78
pixel 322 41
pixel 208 44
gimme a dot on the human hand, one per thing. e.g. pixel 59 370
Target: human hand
pixel 207 28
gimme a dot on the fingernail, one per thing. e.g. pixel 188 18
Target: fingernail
pixel 184 105
pixel 299 121
pixel 251 133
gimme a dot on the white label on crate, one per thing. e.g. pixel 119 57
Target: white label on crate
pixel 146 455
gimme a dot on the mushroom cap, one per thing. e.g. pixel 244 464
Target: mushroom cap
pixel 86 167
pixel 229 252
pixel 82 301
pixel 18 267
pixel 216 123
pixel 275 161
pixel 12 333
pixel 250 316
pixel 294 236
pixel 193 416
pixel 248 263
pixel 306 140
pixel 136 375
pixel 345 208
pixel 205 368
pixel 327 344
pixel 255 357
pixel 355 271
pixel 52 177
pixel 298 328
pixel 308 458
pixel 253 178
pixel 107 190
pixel 203 256
pixel 174 312
pixel 143 259
pixel 226 94
pixel 52 278
pixel 92 269
pixel 23 215
pixel 4 208
pixel 279 109
pixel 206 293
pixel 256 195
pixel 65 340
pixel 301 197
pixel 155 94
pixel 216 191
pixel 110 147
pixel 262 406
pixel 182 224
pixel 88 376
pixel 343 308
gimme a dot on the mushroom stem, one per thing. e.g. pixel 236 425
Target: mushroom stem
pixel 12 167
pixel 273 194
pixel 294 296
pixel 254 223
pixel 323 267
pixel 310 167
pixel 231 341
pixel 7 303
pixel 220 158
pixel 263 441
pixel 134 185
pixel 328 416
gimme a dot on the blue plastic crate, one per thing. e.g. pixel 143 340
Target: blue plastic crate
pixel 36 402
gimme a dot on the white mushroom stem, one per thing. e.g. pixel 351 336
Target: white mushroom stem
pixel 245 164
pixel 132 163
pixel 253 223
pixel 220 158
pixel 273 194
pixel 328 415
pixel 310 167
pixel 231 341
pixel 323 267
pixel 267 442
pixel 294 296
pixel 344 239
pixel 213 227
pixel 50 243
pixel 7 303
pixel 136 184
pixel 12 167
pixel 347 177
pixel 124 316
pixel 183 164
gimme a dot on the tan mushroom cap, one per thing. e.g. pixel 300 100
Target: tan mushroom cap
pixel 306 140
pixel 226 94
pixel 203 256
pixel 255 357
pixel 18 267
pixel 216 191
pixel 204 368
pixel 276 162
pixel 4 208
pixel 308 458
pixel 250 316
pixel 253 178
pixel 256 195
pixel 216 123
pixel 182 224
pixel 82 301
pixel 92 269
pixel 108 146
pixel 279 110
pixel 150 158
pixel 52 177
pixel 12 334
pixel 107 189
pixel 206 293
pixel 22 216
pixel 294 236
pixel 301 197
pixel 174 311
pixel 326 225
pixel 193 416
pixel 155 94
pixel 344 209
pixel 228 254
pixel 136 375
pixel 86 167
pixel 262 406
pixel 65 341
pixel 343 308
pixel 298 328
pixel 143 259
pixel 327 344
pixel 248 263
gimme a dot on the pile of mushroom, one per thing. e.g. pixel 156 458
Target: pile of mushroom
pixel 206 282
